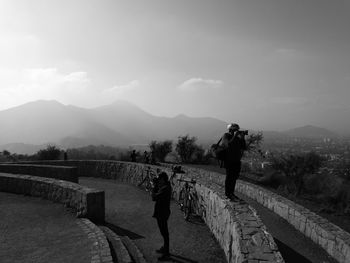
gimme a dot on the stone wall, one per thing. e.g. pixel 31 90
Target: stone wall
pixel 330 237
pixel 209 189
pixel 84 201
pixel 57 172
pixel 99 250
pixel 236 226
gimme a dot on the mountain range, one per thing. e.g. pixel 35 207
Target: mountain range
pixel 27 127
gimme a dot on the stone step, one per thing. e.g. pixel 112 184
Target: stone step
pixel 120 250
pixel 134 251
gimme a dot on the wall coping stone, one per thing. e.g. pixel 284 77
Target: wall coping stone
pixel 100 249
pixel 86 202
pixel 330 237
pixel 236 225
pixel 66 173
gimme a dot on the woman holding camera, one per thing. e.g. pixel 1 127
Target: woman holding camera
pixel 161 194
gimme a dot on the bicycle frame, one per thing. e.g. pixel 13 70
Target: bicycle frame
pixel 186 198
pixel 147 181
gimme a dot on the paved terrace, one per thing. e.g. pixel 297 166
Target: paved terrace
pixel 129 212
pixel 40 231
pixel 34 230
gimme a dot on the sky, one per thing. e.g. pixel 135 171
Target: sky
pixel 265 64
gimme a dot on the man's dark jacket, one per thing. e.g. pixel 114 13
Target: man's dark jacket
pixel 162 198
pixel 235 150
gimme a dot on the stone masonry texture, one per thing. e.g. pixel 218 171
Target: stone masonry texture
pixel 57 172
pixel 84 201
pixel 236 226
pixel 330 237
pixel 240 220
pixel 100 251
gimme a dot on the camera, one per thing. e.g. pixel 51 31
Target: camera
pixel 154 182
pixel 243 132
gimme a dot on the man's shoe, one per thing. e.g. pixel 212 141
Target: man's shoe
pixel 161 250
pixel 164 257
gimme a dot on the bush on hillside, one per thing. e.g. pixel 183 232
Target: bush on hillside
pixel 161 149
pixel 295 168
pixel 50 153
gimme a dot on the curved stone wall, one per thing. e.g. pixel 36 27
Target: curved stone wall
pixel 100 251
pixel 57 172
pixel 84 201
pixel 330 237
pixel 236 226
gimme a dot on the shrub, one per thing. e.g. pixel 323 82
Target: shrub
pixel 273 179
pixel 185 147
pixel 50 153
pixel 161 149
pixel 295 167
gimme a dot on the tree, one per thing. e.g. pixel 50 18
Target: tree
pixel 161 149
pixel 50 153
pixel 6 153
pixel 343 170
pixel 294 167
pixel 185 147
pixel 254 141
pixel 198 155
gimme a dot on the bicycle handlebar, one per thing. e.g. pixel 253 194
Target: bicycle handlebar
pixel 192 181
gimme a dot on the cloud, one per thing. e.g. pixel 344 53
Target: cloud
pixel 199 83
pixel 20 86
pixel 121 89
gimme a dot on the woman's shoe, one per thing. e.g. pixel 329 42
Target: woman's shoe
pixel 164 257
pixel 161 250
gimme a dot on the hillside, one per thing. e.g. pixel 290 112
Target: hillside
pixel 122 124
pixel 117 124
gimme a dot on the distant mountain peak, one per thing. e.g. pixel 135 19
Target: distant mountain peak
pixel 123 102
pixel 181 116
pixel 44 102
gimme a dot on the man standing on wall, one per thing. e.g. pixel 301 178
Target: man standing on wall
pixel 161 194
pixel 235 144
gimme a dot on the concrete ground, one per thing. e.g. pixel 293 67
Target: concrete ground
pixel 33 230
pixel 129 212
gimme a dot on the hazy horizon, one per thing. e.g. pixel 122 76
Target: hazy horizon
pixel 271 65
pixel 125 103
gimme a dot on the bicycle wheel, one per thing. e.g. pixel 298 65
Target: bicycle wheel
pixel 187 208
pixel 181 199
pixel 148 185
pixel 203 213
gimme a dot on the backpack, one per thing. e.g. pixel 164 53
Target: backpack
pixel 219 150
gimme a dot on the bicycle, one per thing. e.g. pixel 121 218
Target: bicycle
pixel 147 181
pixel 187 197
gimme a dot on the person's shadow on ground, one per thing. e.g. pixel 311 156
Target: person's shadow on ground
pixel 122 231
pixel 180 259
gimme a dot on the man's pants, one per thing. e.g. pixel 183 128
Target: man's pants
pixel 163 227
pixel 232 174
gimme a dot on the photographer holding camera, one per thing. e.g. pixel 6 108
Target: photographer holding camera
pixel 161 194
pixel 235 144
